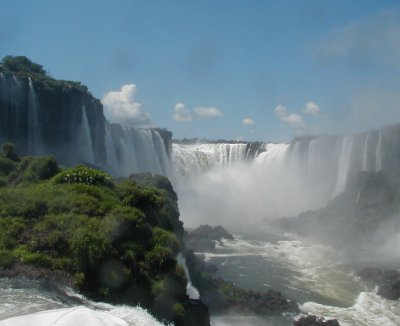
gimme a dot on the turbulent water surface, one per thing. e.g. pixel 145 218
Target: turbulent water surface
pixel 311 274
pixel 38 303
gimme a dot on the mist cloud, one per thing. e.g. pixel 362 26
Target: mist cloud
pixel 248 122
pixel 377 40
pixel 121 107
pixel 372 45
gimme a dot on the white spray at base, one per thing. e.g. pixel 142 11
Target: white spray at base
pixel 26 302
pixel 369 310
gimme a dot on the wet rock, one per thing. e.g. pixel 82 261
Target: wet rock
pixel 388 281
pixel 205 238
pixel 312 320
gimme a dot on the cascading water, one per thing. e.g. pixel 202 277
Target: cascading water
pixel 191 290
pixel 147 157
pixel 85 139
pixel 112 160
pixel 365 154
pixel 192 159
pixel 137 150
pixel 274 154
pixel 313 157
pixel 160 150
pixel 34 141
pixel 344 164
pixel 378 154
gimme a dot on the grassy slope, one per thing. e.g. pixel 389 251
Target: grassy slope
pixel 117 241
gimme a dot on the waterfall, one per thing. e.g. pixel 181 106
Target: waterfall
pixel 191 159
pixel 378 154
pixel 127 160
pixel 33 122
pixel 137 150
pixel 228 154
pixel 162 153
pixel 187 160
pixel 147 157
pixel 274 154
pixel 344 164
pixel 313 158
pixel 84 144
pixel 191 291
pixel 365 154
pixel 112 159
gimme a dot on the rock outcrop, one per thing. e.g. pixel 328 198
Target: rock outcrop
pixel 312 320
pixel 205 238
pixel 388 281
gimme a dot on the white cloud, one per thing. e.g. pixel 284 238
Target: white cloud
pixel 312 109
pixel 120 107
pixel 248 122
pixel 293 120
pixel 181 113
pixel 211 112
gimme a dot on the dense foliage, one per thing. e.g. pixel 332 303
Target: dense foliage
pixel 21 64
pixel 117 241
pixel 22 67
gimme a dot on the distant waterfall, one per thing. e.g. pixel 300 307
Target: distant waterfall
pixel 365 154
pixel 189 159
pixel 344 164
pixel 274 154
pixel 33 122
pixel 112 159
pixel 85 146
pixel 378 154
pixel 313 157
pixel 131 150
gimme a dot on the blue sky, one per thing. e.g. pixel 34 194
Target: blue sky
pixel 221 69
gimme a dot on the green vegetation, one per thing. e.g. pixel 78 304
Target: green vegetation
pixel 22 68
pixel 21 64
pixel 117 241
pixel 84 175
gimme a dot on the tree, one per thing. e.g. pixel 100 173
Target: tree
pixel 22 64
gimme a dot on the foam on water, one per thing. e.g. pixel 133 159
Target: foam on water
pixel 306 267
pixel 369 309
pixel 26 302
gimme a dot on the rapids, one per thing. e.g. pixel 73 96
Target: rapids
pixel 37 303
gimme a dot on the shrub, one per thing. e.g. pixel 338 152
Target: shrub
pixel 89 244
pixel 85 175
pixel 9 152
pixel 42 168
pixel 10 229
pixel 25 256
pixel 6 259
pixel 18 64
pixel 165 238
pixel 178 311
pixel 6 166
pixel 159 260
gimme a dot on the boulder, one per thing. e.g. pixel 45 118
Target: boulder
pixel 312 320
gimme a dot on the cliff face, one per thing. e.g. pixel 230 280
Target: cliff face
pixel 41 116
